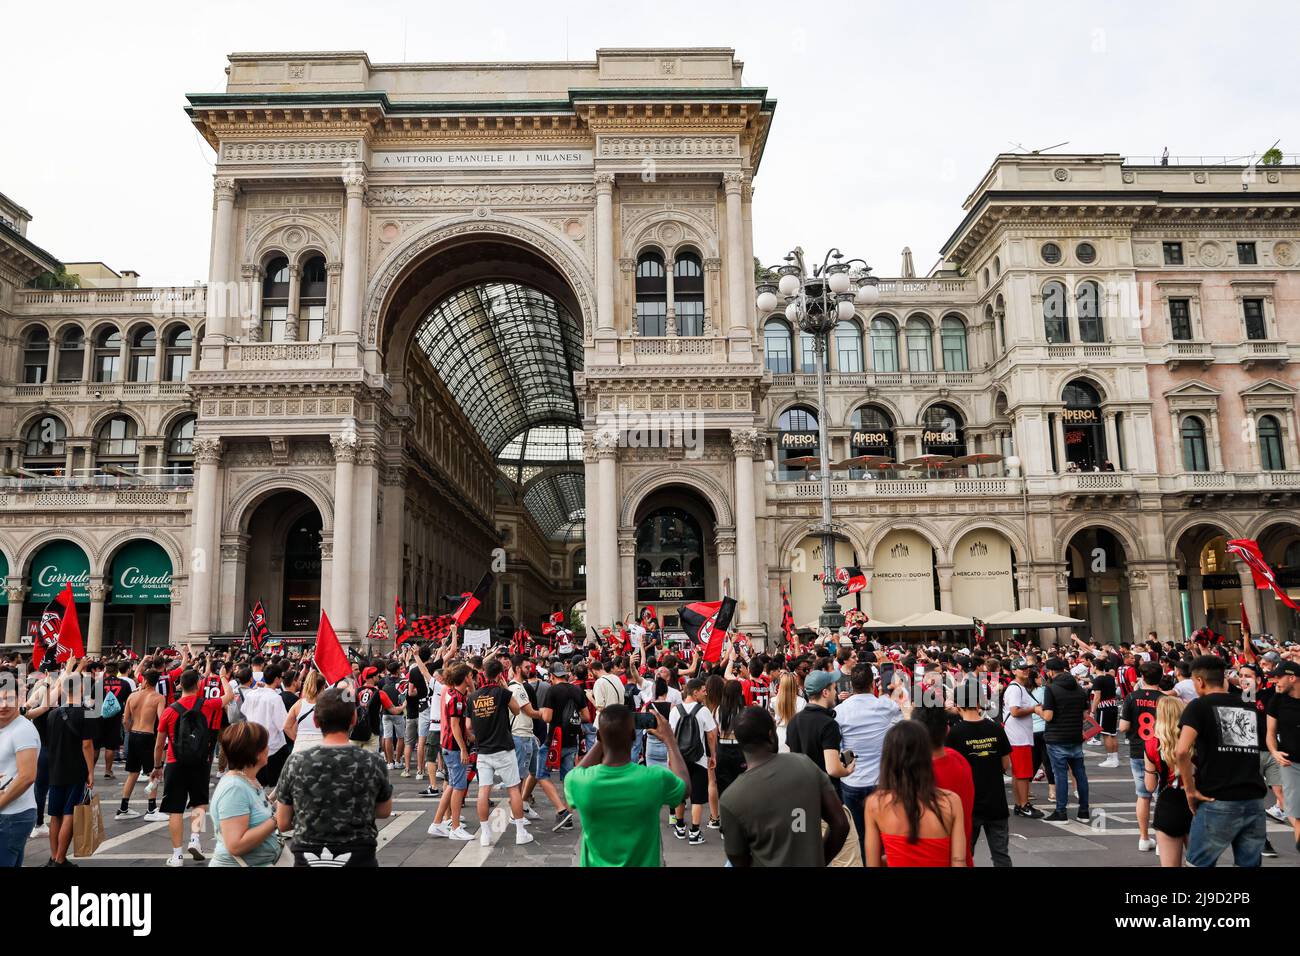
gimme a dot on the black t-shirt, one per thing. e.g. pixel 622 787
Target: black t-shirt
pixel 1285 709
pixel 983 744
pixel 1262 697
pixel 417 694
pixel 368 713
pixel 1227 747
pixel 1140 711
pixel 561 693
pixel 1105 683
pixel 289 698
pixel 489 718
pixel 812 732
pixel 68 727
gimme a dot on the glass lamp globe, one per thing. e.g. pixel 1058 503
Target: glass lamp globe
pixel 792 313
pixel 839 282
pixel 788 285
pixel 868 294
pixel 767 302
pixel 844 310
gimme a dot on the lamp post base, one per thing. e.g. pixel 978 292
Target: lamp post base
pixel 831 617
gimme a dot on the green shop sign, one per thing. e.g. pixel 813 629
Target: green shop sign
pixel 142 574
pixel 58 564
pixel 4 575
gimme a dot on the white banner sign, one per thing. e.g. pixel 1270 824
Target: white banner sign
pixel 477 640
pixel 481 158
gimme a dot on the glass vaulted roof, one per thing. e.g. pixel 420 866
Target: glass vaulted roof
pixel 546 459
pixel 507 354
pixel 557 503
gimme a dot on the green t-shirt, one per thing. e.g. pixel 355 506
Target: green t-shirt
pixel 619 807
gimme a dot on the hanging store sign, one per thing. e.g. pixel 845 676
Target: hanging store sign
pixel 58 564
pixel 799 441
pixel 872 440
pixel 1079 416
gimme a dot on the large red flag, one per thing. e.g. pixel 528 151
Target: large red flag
pixel 401 628
pixel 59 631
pixel 1248 550
pixel 329 658
pixel 470 600
pixel 708 623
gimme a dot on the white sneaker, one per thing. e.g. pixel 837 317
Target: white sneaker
pixel 175 860
pixel 196 847
pixel 530 813
pixel 1146 845
pixel 439 830
pixel 1276 813
pixel 419 775
pixel 485 835
pixel 460 833
pixel 406 773
pixel 1109 762
pixel 126 814
pixel 1094 742
pixel 41 831
pixel 155 816
pixel 522 836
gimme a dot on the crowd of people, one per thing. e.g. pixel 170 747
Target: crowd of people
pixel 837 750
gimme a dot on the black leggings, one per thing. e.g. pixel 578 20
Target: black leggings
pixel 1040 758
pixel 730 765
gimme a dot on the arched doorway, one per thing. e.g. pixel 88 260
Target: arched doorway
pixel 137 615
pixel 983 574
pixel 676 558
pixel 1085 438
pixel 284 563
pixel 1209 583
pixel 903 580
pixel 50 569
pixel 1096 589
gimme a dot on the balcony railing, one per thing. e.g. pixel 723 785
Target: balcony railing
pixel 860 380
pixel 659 347
pixel 161 301
pixel 98 480
pixel 98 390
pixel 1263 350
pixel 901 488
pixel 1231 481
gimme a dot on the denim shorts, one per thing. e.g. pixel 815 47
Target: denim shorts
pixel 392 727
pixel 568 757
pixel 457 772
pixel 1138 766
pixel 526 755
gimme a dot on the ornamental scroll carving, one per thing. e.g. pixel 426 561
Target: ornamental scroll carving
pixel 637 147
pixel 291 152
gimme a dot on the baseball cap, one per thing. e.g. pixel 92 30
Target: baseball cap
pixel 1272 657
pixel 1287 669
pixel 1055 664
pixel 369 672
pixel 559 670
pixel 817 681
pixel 1020 664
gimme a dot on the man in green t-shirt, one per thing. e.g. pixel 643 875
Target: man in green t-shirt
pixel 619 801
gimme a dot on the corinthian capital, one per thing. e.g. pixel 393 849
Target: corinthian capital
pixel 745 442
pixel 207 451
pixel 606 443
pixel 345 446
pixel 355 183
pixel 734 182
pixel 225 187
pixel 604 182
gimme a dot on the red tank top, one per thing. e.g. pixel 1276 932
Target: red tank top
pixel 927 851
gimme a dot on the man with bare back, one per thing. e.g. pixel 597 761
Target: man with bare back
pixel 140 720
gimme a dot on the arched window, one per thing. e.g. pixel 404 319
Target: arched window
pixel 275 299
pixel 797 436
pixel 108 355
pixel 884 344
pixel 311 300
pixel 1271 455
pixel 1195 453
pixel 920 344
pixel 873 434
pixel 688 294
pixel 180 342
pixel 651 295
pixel 807 353
pixel 36 357
pixel 1087 303
pixel 45 451
pixel 180 448
pixel 117 442
pixel 1056 323
pixel 848 346
pixel 1081 424
pixel 72 353
pixel 776 347
pixel 669 557
pixel 144 355
pixel 943 431
pixel 952 335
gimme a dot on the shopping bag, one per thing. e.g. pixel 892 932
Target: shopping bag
pixel 87 826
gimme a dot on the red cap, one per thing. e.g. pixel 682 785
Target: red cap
pixel 369 672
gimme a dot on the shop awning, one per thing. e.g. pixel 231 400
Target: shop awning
pixel 142 574
pixel 1027 618
pixel 57 564
pixel 924 621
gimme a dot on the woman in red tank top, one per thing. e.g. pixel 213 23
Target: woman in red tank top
pixel 909 821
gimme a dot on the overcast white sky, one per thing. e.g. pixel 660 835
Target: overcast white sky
pixel 888 114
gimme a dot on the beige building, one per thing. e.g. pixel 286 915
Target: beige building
pixel 464 316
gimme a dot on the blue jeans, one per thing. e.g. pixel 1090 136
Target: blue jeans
pixel 637 739
pixel 1068 757
pixel 589 734
pixel 15 828
pixel 855 799
pixel 526 754
pixel 568 757
pixel 656 752
pixel 457 772
pixel 1224 823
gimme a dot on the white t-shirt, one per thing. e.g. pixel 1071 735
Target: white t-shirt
pixel 1185 690
pixel 703 718
pixel 18 735
pixel 648 692
pixel 607 690
pixel 1020 730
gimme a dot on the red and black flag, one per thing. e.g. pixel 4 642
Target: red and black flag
pixel 1248 550
pixel 980 629
pixel 434 629
pixel 379 630
pixel 849 581
pixel 257 630
pixel 787 617
pixel 58 633
pixel 401 626
pixel 469 601
pixel 707 624
pixel 649 619
pixel 521 642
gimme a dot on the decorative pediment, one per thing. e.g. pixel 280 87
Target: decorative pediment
pixel 1192 395
pixel 1269 395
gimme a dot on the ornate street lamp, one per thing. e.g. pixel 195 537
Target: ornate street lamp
pixel 815 303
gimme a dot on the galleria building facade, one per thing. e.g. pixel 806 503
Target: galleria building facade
pixel 459 313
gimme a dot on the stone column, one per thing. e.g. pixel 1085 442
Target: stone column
pixel 1251 598
pixel 124 359
pixel 724 543
pixel 945 587
pixel 745 442
pixel 1062 459
pixel 291 318
pixel 88 360
pixel 591 488
pixel 605 325
pixel 52 361
pixel 739 273
pixel 1112 439
pixel 353 257
pixel 95 632
pixel 250 301
pixel 218 304
pixel 203 554
pixel 14 612
pixel 626 572
pixel 611 604
pixel 1216 450
pixel 345 456
pixel 1195 597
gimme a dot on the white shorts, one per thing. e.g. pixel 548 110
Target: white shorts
pixel 499 768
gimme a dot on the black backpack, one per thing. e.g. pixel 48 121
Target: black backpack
pixel 689 739
pixel 192 738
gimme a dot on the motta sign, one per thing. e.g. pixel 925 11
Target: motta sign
pixel 481 158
